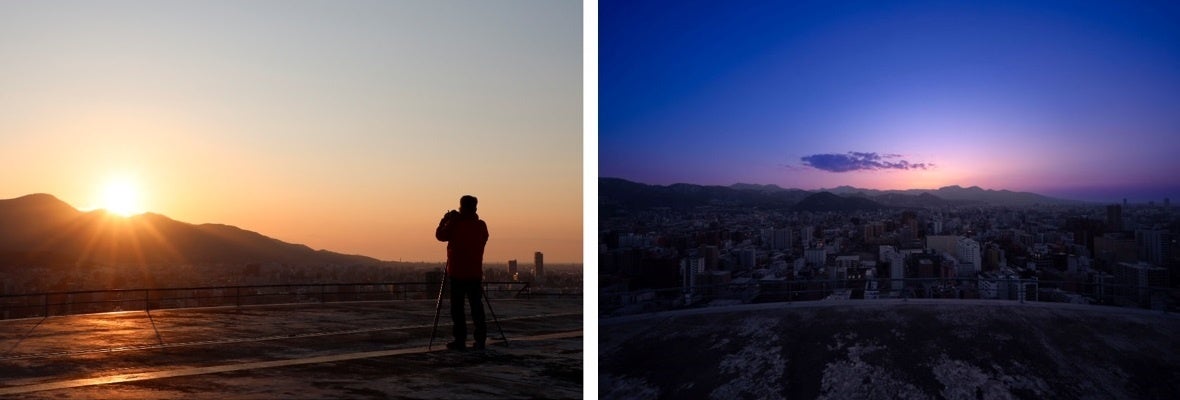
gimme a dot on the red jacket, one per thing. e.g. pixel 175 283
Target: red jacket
pixel 466 236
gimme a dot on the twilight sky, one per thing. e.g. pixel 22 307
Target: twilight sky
pixel 344 125
pixel 1074 99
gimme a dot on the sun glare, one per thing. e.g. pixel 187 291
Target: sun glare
pixel 121 197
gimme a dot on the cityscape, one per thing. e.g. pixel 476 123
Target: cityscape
pixel 888 200
pixel 713 253
pixel 754 291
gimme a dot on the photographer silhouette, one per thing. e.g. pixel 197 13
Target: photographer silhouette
pixel 466 235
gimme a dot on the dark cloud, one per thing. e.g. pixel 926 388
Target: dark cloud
pixel 856 161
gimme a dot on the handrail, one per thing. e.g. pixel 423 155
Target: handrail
pixel 1017 289
pixel 106 300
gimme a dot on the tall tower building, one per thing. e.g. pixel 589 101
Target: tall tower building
pixel 539 267
pixel 969 253
pixel 782 239
pixel 888 254
pixel 712 256
pixel 689 269
pixel 808 235
pixel 767 236
pixel 512 269
pixel 1114 217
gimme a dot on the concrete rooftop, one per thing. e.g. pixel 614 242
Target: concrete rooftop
pixel 886 349
pixel 309 351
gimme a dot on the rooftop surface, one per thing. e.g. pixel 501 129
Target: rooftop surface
pixel 333 350
pixel 885 349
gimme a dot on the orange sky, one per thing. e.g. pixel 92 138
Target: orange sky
pixel 347 126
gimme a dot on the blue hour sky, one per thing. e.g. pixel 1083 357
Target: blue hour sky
pixel 1072 99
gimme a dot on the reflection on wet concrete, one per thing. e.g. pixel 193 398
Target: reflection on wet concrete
pixel 298 351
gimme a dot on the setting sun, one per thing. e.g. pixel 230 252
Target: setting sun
pixel 121 197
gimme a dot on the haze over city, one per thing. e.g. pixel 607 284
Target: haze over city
pixel 1068 99
pixel 349 127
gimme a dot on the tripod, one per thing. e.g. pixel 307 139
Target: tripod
pixel 438 311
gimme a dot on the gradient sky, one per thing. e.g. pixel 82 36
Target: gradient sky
pixel 1074 99
pixel 350 126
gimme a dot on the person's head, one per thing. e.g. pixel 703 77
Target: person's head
pixel 467 204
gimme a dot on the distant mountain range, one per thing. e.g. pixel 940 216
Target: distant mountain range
pixel 39 229
pixel 613 192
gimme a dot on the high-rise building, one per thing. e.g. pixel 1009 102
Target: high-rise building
pixel 747 257
pixel 782 239
pixel 948 244
pixel 969 254
pixel 539 267
pixel 767 236
pixel 816 257
pixel 712 256
pixel 1154 245
pixel 512 269
pixel 690 268
pixel 1114 217
pixel 874 230
pixel 1140 277
pixel 888 254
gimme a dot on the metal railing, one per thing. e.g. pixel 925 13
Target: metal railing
pixel 1014 289
pixel 147 299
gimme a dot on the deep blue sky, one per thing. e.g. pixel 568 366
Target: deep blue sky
pixel 1074 99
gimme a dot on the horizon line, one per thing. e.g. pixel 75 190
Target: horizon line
pixel 823 189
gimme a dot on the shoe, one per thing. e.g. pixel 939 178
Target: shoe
pixel 479 346
pixel 460 346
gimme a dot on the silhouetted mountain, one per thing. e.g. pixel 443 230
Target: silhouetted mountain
pixel 757 187
pixel 825 202
pixel 957 195
pixel 39 229
pixel 923 200
pixel 615 192
pixel 997 197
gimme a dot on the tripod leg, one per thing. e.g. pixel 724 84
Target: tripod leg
pixel 497 320
pixel 437 310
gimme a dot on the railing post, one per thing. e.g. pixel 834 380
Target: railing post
pixel 238 296
pixel 147 301
pixel 46 303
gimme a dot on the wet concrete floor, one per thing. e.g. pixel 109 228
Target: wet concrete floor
pixel 335 350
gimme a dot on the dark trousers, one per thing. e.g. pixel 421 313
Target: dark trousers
pixel 472 289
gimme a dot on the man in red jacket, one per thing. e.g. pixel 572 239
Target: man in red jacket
pixel 466 236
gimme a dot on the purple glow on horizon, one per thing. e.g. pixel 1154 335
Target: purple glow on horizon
pixel 1060 98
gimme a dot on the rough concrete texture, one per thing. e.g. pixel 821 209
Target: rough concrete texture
pixel 893 350
pixel 309 351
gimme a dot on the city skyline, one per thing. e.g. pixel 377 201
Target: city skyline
pixel 348 126
pixel 1061 99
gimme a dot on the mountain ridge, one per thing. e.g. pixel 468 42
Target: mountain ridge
pixel 618 191
pixel 40 228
